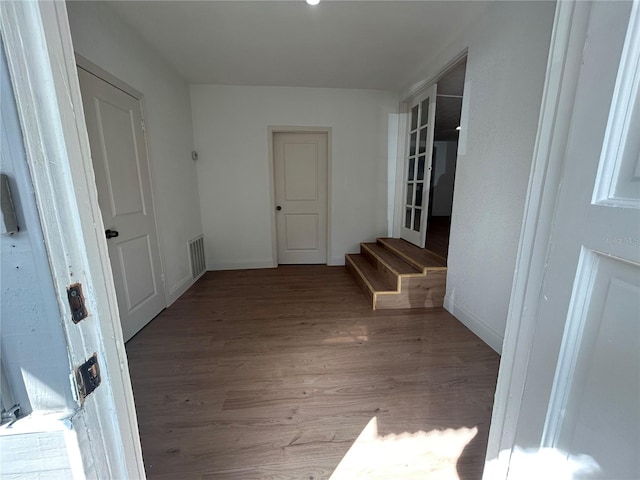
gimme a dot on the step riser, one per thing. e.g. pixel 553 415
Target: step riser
pixel 355 273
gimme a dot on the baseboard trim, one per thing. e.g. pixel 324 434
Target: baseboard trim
pixel 242 265
pixel 487 334
pixel 336 261
pixel 177 290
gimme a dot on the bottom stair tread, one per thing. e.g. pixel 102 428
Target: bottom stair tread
pixel 376 280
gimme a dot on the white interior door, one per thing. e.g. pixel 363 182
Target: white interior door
pixel 582 392
pixel 300 169
pixel 121 165
pixel 417 171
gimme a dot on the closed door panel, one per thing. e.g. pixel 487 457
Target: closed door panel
pixel 119 155
pixel 300 168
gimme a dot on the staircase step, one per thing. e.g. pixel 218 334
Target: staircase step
pixel 371 280
pixel 396 274
pixel 422 259
pixel 377 253
pixel 373 277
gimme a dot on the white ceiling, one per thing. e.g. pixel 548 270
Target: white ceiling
pixel 339 44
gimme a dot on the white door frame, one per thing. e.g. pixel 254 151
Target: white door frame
pixel 58 155
pixel 272 130
pixel 563 68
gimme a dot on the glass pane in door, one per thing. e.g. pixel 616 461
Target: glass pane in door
pixel 424 113
pixel 409 194
pixel 422 148
pixel 411 170
pixel 421 162
pixel 414 117
pixel 416 219
pixel 419 187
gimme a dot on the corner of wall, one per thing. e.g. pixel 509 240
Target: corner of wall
pixel 177 290
pixel 335 261
pixel 486 333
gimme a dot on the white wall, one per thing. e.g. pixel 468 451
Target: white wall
pixel 101 37
pixel 443 176
pixel 507 54
pixel 231 136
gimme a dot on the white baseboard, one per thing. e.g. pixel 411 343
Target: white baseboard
pixel 335 261
pixel 486 333
pixel 242 264
pixel 177 290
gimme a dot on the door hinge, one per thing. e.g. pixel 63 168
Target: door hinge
pixel 76 302
pixel 144 127
pixel 87 377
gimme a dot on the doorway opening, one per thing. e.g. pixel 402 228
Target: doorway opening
pixel 445 153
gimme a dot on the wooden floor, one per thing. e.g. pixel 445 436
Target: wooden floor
pixel 273 374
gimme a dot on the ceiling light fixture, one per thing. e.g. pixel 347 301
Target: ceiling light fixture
pixel 312 2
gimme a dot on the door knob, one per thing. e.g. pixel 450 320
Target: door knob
pixel 111 233
pixel 278 208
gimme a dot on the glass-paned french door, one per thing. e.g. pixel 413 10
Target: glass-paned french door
pixel 418 167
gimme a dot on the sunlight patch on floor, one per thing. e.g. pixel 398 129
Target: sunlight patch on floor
pixel 418 455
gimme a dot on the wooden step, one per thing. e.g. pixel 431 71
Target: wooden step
pixel 371 280
pixel 396 274
pixel 422 259
pixel 377 253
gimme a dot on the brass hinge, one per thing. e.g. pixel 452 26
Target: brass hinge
pixel 87 377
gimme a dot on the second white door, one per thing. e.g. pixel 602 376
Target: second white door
pixel 119 154
pixel 300 170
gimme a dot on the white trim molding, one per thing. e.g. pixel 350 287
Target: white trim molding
pixel 486 333
pixel 563 67
pixel 49 105
pixel 249 264
pixel 179 289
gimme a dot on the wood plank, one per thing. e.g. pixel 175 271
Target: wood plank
pixel 416 292
pixel 378 253
pixel 372 276
pixel 421 258
pixel 360 279
pixel 274 374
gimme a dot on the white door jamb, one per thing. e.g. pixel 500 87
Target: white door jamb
pixel 563 68
pixel 58 155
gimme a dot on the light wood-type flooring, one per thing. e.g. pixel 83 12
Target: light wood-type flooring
pixel 274 374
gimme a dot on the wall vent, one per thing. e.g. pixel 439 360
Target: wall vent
pixel 196 256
